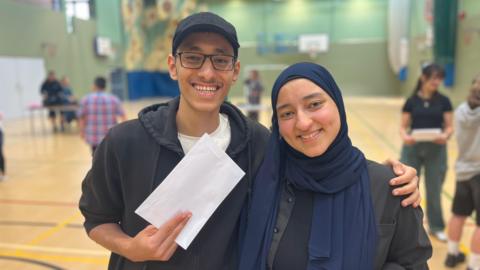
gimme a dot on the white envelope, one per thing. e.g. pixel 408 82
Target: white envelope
pixel 425 134
pixel 199 183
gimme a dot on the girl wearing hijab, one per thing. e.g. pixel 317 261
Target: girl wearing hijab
pixel 317 203
pixel 428 109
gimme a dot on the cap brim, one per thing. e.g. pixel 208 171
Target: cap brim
pixel 209 28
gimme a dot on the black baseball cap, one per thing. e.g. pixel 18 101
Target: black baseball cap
pixel 205 22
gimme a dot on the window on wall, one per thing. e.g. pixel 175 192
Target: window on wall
pixel 81 9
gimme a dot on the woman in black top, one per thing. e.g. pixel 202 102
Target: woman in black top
pixel 317 203
pixel 428 109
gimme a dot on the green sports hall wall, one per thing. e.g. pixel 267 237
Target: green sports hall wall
pixel 357 29
pixel 357 55
pixel 358 52
pixel 30 31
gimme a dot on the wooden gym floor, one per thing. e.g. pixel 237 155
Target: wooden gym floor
pixel 41 227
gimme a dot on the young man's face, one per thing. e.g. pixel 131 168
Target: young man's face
pixel 203 89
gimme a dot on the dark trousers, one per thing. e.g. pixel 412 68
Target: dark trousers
pixel 2 160
pixel 433 158
pixel 253 100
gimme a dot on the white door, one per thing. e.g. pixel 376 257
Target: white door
pixel 20 80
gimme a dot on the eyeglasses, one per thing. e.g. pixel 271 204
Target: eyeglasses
pixel 195 60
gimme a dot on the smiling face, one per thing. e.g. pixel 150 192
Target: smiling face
pixel 203 89
pixel 308 118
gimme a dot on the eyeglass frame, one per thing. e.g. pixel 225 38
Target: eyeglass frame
pixel 205 56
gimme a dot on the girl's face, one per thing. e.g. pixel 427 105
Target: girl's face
pixel 430 85
pixel 308 118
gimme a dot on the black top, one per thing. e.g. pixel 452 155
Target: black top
pixel 53 91
pixel 293 247
pixel 427 113
pixel 402 242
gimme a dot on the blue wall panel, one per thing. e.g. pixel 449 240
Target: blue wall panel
pixel 145 84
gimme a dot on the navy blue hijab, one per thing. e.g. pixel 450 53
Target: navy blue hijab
pixel 343 229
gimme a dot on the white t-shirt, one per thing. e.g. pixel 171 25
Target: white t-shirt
pixel 221 136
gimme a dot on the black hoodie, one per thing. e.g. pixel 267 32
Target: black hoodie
pixel 133 160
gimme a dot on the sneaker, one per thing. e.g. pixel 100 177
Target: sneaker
pixel 453 260
pixel 440 236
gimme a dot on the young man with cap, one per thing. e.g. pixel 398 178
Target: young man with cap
pixel 137 155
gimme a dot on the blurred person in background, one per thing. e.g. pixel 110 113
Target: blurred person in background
pixel 68 98
pixel 467 191
pixel 98 112
pixel 253 91
pixel 51 91
pixel 427 108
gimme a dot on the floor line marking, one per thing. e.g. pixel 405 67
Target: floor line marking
pixel 43 203
pixel 37 224
pixel 61 250
pixel 53 230
pixel 31 261
pixel 56 258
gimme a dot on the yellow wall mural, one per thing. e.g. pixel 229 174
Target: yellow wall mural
pixel 149 30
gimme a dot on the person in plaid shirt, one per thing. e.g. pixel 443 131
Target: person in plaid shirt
pixel 98 112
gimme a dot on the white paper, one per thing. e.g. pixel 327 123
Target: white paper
pixel 426 134
pixel 199 183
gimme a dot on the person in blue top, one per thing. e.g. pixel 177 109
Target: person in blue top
pixel 68 98
pixel 427 108
pixel 317 202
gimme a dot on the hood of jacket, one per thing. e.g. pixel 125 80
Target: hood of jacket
pixel 159 120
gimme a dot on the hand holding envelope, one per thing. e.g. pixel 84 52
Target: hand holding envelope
pixel 198 184
pixel 152 244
